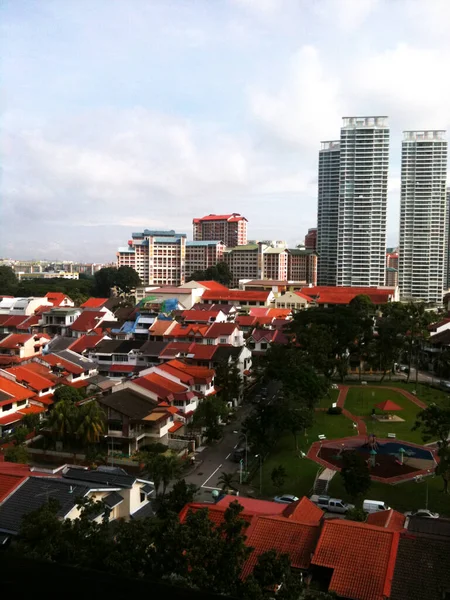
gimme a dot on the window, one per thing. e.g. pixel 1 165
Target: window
pixel 198 387
pixel 7 407
pixel 75 375
pixel 210 342
pixel 21 403
pixel 223 340
pixel 143 496
pixel 263 345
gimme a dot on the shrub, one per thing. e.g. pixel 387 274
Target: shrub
pixel 334 410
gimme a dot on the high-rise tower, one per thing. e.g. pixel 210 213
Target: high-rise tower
pixel 327 212
pixel 423 216
pixel 363 176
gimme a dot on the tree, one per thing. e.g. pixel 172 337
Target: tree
pixel 31 421
pixel 182 493
pixel 219 272
pixel 126 279
pixel 63 419
pixel 162 469
pixel 278 477
pixel 227 481
pixel 356 514
pixel 66 392
pixel 104 280
pixel 8 280
pixel 355 474
pixel 294 415
pixel 91 422
pixel 17 454
pixel 434 422
pixel 228 379
pixel 208 415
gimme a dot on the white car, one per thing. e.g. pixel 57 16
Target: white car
pixel 423 513
pixel 285 499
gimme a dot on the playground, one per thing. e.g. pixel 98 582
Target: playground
pixel 386 459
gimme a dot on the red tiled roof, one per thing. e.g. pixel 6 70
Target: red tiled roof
pixel 85 342
pixel 295 539
pixel 15 390
pixel 187 330
pixel 56 298
pixel 54 360
pixel 10 419
pixel 259 335
pixel 362 557
pixel 176 426
pixel 196 351
pixel 218 329
pixel 159 327
pixel 237 295
pixel 14 339
pixel 246 320
pixel 14 320
pixel 390 519
pixel 29 322
pixel 344 295
pixel 189 373
pixel 259 311
pixel 174 348
pixel 252 506
pixel 47 400
pixel 88 320
pixel 305 511
pixel 232 217
pixel 42 370
pixel 304 296
pixel 388 405
pixel 8 483
pixel 30 378
pixel 31 409
pixel 94 303
pixel 164 388
pixel 213 285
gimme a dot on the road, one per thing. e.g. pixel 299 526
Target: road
pixel 212 460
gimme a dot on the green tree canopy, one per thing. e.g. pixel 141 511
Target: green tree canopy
pixel 126 280
pixel 355 474
pixel 219 272
pixel 8 280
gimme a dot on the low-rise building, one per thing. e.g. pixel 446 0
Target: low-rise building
pixel 58 320
pixel 18 347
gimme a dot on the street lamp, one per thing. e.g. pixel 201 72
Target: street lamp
pixel 260 472
pixel 246 449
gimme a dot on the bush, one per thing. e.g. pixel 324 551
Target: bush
pixel 154 448
pixel 334 410
pixel 356 514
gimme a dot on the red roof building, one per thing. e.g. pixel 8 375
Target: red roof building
pixel 390 519
pixel 238 297
pixel 30 378
pixel 59 299
pixel 86 342
pixel 94 303
pixel 9 482
pixel 231 229
pixel 330 295
pixel 88 321
pixel 271 526
pixel 360 558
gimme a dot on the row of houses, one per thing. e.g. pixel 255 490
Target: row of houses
pixel 388 557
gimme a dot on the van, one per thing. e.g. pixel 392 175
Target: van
pixel 373 506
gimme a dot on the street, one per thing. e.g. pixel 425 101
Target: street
pixel 214 459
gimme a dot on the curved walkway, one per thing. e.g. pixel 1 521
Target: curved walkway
pixel 314 450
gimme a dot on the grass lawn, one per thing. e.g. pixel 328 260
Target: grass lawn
pixel 403 496
pixel 424 392
pixel 301 472
pixel 360 401
pixel 328 400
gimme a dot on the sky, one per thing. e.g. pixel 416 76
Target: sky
pixel 121 115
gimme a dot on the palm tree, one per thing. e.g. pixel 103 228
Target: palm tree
pixel 227 481
pixel 91 422
pixel 63 419
pixel 171 470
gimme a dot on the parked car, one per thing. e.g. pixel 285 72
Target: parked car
pixel 373 506
pixel 238 454
pixel 331 504
pixel 285 499
pixel 423 513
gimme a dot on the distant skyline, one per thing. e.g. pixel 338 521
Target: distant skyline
pixel 120 116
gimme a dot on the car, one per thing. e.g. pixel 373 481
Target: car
pixel 238 454
pixel 423 513
pixel 285 499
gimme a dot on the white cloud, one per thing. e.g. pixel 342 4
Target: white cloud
pixel 347 15
pixel 307 107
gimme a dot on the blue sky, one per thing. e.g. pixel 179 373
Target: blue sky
pixel 126 114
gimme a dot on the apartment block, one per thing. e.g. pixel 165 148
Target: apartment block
pixel 159 257
pixel 275 264
pixel 244 261
pixel 302 266
pixel 363 176
pixel 200 255
pixel 423 216
pixel 327 212
pixel 231 229
pixel 392 267
pixel 311 239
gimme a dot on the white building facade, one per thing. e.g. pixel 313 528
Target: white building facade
pixel 423 216
pixel 327 212
pixel 363 177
